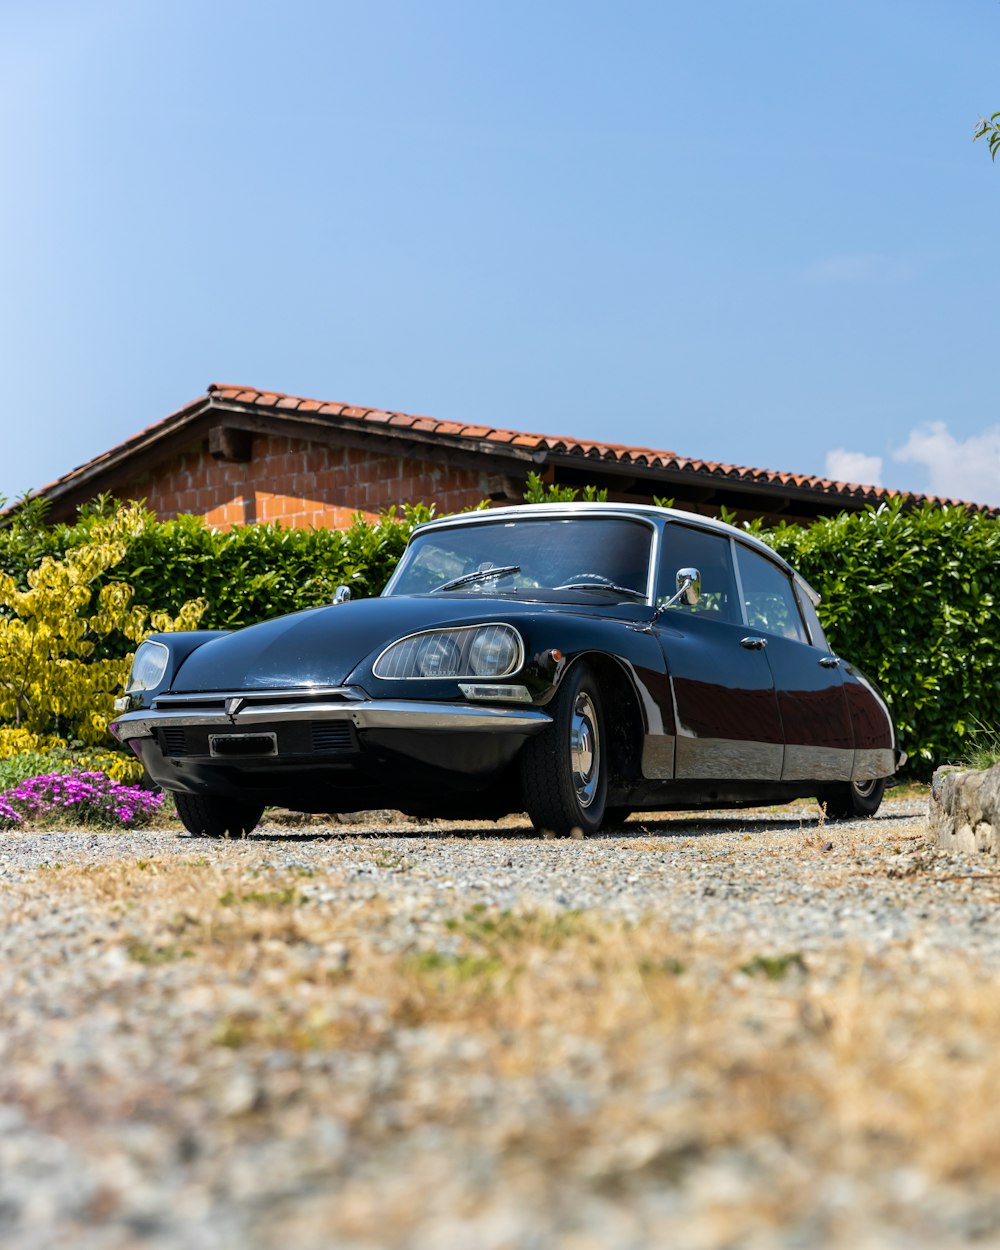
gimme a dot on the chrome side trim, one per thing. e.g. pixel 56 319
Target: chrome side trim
pixel 804 763
pixel 373 714
pixel 871 763
pixel 658 757
pixel 726 759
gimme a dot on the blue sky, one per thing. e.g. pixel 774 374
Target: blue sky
pixel 750 233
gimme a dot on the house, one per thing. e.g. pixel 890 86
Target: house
pixel 237 456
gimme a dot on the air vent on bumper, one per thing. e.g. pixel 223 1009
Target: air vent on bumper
pixel 173 742
pixel 333 735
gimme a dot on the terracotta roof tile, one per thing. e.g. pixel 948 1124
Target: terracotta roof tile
pixel 223 393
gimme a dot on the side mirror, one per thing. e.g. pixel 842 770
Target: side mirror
pixel 342 594
pixel 688 582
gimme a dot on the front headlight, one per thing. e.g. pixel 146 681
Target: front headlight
pixel 148 666
pixel 472 651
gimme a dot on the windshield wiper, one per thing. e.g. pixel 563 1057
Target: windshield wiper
pixel 480 575
pixel 620 590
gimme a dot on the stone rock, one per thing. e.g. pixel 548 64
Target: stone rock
pixel 964 809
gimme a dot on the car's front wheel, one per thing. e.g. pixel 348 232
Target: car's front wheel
pixel 207 816
pixel 564 771
pixel 855 800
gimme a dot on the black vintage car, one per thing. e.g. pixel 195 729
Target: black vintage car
pixel 573 661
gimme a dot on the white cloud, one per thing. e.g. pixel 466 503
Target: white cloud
pixel 856 467
pixel 968 470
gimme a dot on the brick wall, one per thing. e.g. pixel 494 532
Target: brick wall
pixel 301 483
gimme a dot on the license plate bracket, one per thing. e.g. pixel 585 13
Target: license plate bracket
pixel 234 746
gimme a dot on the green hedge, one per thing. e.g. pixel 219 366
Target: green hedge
pixel 246 574
pixel 259 571
pixel 910 596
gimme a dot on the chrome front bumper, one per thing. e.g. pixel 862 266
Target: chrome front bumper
pixel 243 711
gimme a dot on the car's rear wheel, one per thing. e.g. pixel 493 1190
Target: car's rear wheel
pixel 207 816
pixel 564 773
pixel 855 800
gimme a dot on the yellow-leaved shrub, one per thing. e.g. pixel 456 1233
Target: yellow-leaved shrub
pixel 50 675
pixel 16 740
pixel 118 765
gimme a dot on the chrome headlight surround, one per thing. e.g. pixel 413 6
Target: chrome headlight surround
pixel 489 650
pixel 148 666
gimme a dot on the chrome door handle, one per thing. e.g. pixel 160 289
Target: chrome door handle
pixel 753 644
pixel 829 661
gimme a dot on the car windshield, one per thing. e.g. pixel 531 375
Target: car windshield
pixel 603 558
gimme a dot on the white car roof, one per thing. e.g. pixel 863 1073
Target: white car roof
pixel 526 511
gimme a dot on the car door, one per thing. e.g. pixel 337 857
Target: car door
pixel 812 702
pixel 725 710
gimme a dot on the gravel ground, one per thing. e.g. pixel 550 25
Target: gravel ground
pixel 155 1095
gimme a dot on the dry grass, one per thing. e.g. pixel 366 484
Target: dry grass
pixel 587 1052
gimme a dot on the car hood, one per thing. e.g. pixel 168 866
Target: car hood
pixel 323 646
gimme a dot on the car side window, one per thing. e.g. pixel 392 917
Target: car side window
pixel 816 635
pixel 770 601
pixel 710 554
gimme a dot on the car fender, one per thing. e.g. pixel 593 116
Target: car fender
pixel 180 644
pixel 630 663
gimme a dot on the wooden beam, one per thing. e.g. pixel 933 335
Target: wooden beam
pixel 230 444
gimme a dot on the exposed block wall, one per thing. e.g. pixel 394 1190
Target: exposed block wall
pixel 302 484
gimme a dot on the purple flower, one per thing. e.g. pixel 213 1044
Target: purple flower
pixel 89 797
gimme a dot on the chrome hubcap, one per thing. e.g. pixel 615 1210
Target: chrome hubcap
pixel 863 789
pixel 584 749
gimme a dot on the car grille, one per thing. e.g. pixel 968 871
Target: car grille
pixel 294 738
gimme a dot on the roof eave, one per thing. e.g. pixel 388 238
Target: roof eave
pixel 501 452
